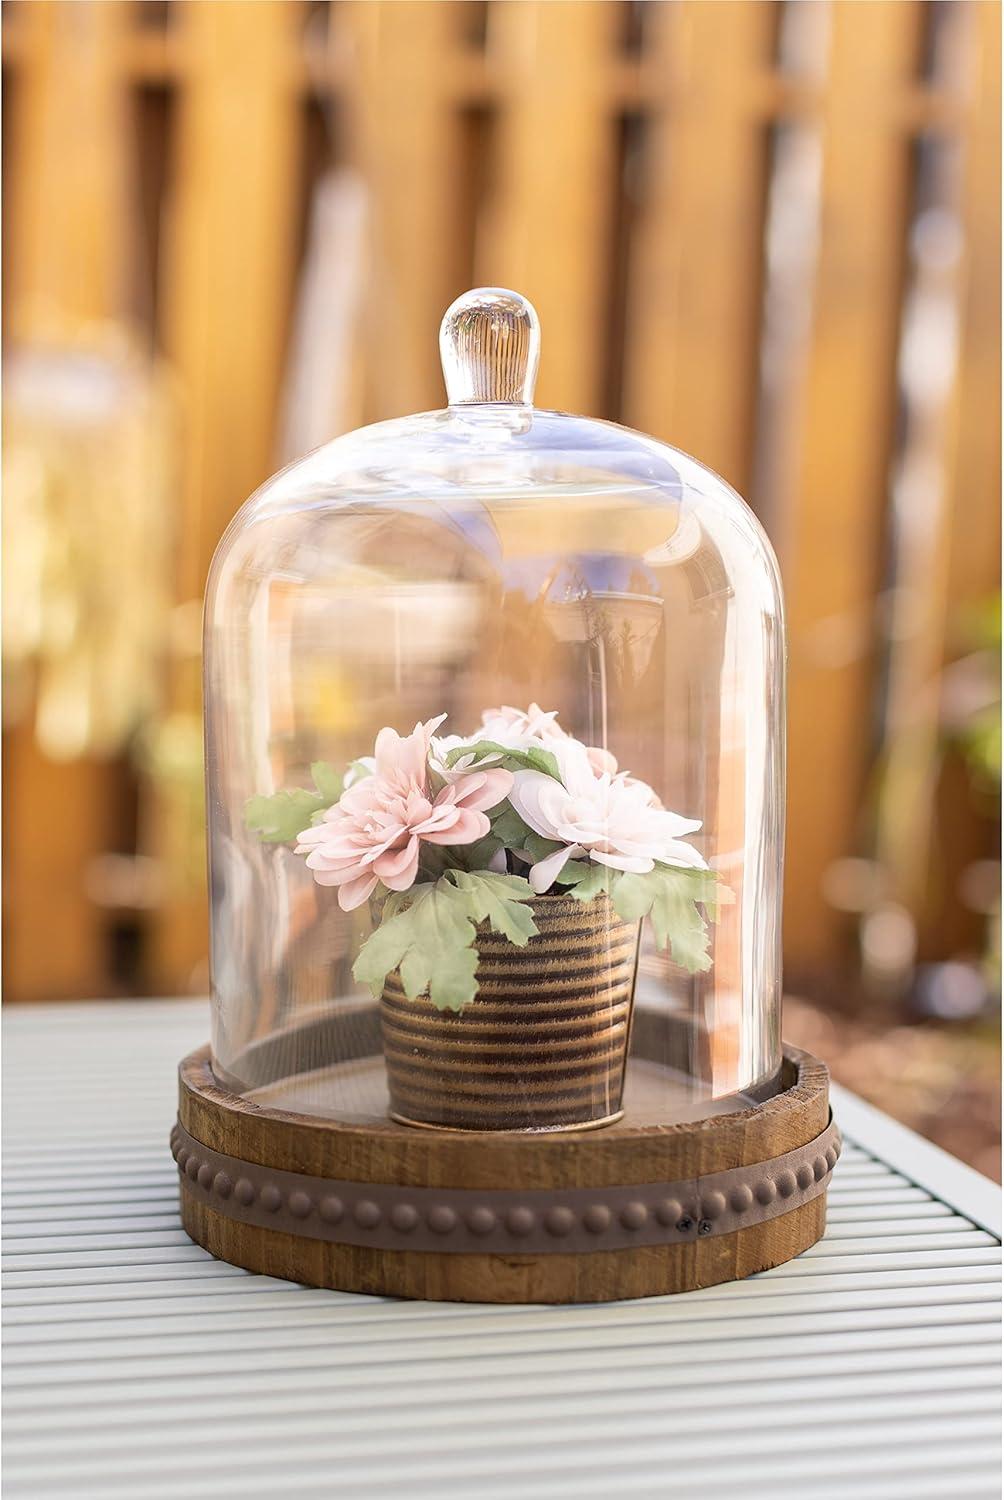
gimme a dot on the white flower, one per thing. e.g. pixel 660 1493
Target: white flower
pixel 613 820
pixel 508 727
pixel 518 730
pixel 522 731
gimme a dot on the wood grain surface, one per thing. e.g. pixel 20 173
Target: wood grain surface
pixel 390 1153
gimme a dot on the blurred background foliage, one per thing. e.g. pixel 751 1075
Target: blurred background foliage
pixel 767 232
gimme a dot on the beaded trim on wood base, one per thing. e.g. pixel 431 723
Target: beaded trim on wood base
pixel 531 1222
pixel 409 1223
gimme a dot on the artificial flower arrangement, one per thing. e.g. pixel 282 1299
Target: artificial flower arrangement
pixel 451 831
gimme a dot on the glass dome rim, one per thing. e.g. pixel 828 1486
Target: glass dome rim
pixel 278 496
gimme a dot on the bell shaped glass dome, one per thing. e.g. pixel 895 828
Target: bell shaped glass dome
pixel 495 763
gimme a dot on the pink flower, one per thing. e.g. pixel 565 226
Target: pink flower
pixel 613 820
pixel 374 831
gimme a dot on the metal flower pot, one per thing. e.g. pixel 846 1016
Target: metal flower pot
pixel 544 1044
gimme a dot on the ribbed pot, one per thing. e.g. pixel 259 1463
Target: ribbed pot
pixel 543 1045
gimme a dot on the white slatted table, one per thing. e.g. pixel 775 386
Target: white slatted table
pixel 136 1366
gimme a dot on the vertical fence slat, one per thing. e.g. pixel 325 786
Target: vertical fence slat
pixel 229 277
pixel 921 836
pixel 692 319
pixel 72 235
pixel 547 227
pixel 974 457
pixel 409 148
pixel 832 540
pixel 231 234
pixel 68 270
pixel 974 570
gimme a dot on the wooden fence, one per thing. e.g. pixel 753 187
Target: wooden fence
pixel 733 219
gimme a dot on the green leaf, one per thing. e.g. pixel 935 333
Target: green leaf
pixel 430 940
pixel 279 818
pixel 512 886
pixel 498 900
pixel 573 872
pixel 328 781
pixel 478 856
pixel 383 950
pixel 680 926
pixel 389 905
pixel 711 892
pixel 428 934
pixel 634 895
pixel 452 982
pixel 597 879
pixel 541 760
pixel 510 829
pixel 673 898
pixel 534 759
pixel 441 931
pixel 539 848
pixel 477 750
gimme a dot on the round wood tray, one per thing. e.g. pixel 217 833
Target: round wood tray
pixel 632 1210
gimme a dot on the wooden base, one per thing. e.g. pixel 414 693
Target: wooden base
pixel 628 1211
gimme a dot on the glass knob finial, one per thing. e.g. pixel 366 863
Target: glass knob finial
pixel 489 342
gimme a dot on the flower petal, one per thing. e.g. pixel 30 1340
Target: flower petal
pixel 674 826
pixel 330 877
pixel 636 864
pixel 398 869
pixel 482 789
pixel 601 760
pixel 466 828
pixel 676 852
pixel 543 872
pixel 355 892
pixel 528 788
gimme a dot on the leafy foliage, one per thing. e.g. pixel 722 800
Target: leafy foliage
pixel 428 933
pixel 595 880
pixel 509 831
pixel 533 759
pixel 279 818
pixel 508 827
pixel 478 856
pixel 499 901
pixel 673 899
pixel 539 848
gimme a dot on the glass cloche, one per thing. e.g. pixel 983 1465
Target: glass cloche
pixel 495 764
